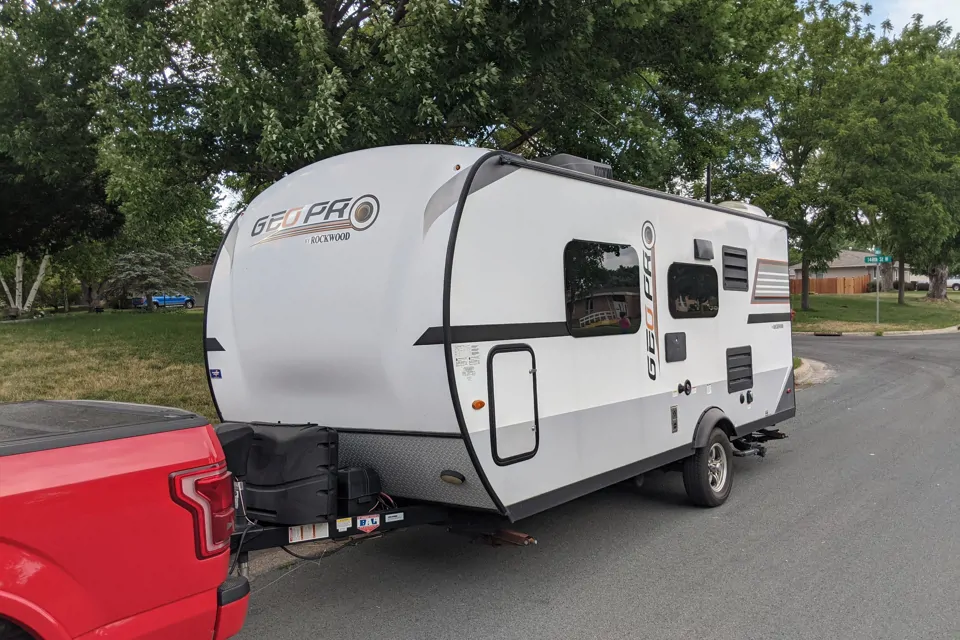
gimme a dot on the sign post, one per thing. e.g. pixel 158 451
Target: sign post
pixel 877 259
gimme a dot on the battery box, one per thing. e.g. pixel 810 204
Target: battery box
pixel 357 491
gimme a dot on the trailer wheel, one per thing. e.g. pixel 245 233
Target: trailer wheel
pixel 10 631
pixel 708 473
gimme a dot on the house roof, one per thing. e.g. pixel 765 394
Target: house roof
pixel 846 258
pixel 200 273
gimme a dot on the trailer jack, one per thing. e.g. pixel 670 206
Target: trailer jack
pixel 742 449
pixel 511 537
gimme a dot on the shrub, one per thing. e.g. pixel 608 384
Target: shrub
pixel 872 286
pixel 923 286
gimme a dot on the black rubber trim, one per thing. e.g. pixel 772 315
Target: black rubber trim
pixel 531 506
pixel 206 309
pixel 518 161
pixel 93 436
pixel 495 332
pixel 709 419
pixel 234 589
pixel 766 421
pixel 448 330
pixel 491 402
pixel 212 344
pixel 409 434
pixel 762 318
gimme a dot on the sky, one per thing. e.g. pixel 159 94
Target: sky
pixel 900 12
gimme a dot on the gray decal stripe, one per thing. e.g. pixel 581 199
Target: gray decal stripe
pixel 449 192
pixel 495 332
pixel 762 318
pixel 212 344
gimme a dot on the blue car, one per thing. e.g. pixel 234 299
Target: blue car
pixel 162 301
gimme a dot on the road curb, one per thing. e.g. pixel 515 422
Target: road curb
pixel 871 334
pixel 811 372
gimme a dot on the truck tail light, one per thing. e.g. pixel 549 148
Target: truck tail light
pixel 207 493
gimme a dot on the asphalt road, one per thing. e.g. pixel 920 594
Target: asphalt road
pixel 848 529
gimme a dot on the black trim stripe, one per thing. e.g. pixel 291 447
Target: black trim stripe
pixel 448 330
pixel 545 501
pixel 762 318
pixel 212 344
pixel 495 332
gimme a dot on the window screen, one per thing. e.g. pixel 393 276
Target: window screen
pixel 693 291
pixel 735 269
pixel 602 283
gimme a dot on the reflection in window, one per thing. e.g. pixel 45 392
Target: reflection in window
pixel 693 291
pixel 602 288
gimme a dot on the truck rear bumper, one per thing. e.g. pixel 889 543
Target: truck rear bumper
pixel 217 615
pixel 233 598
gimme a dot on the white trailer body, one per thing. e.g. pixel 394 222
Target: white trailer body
pixel 495 333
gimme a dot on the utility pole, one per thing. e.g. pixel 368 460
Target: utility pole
pixel 710 182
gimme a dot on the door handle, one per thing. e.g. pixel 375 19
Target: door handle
pixel 684 388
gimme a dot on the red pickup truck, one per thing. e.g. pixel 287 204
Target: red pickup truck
pixel 115 522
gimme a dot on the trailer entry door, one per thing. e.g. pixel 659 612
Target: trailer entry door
pixel 512 394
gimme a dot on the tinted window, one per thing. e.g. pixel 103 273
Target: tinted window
pixel 693 291
pixel 602 288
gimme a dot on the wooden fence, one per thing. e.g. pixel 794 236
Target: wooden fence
pixel 832 285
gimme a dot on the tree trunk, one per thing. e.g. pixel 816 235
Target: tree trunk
pixel 66 300
pixel 901 274
pixel 886 276
pixel 805 284
pixel 938 282
pixel 36 283
pixel 6 290
pixel 18 283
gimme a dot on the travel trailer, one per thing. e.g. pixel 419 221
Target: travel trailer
pixel 464 329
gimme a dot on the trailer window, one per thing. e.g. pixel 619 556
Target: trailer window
pixel 603 294
pixel 693 291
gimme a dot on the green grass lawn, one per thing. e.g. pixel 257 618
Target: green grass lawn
pixel 155 358
pixel 858 313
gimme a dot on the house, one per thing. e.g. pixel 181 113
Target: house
pixel 604 306
pixel 201 273
pixel 850 264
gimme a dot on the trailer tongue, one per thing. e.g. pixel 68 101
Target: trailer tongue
pixel 288 489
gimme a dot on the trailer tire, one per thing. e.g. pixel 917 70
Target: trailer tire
pixel 708 473
pixel 10 631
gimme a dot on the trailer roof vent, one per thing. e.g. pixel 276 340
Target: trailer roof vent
pixel 746 208
pixel 590 167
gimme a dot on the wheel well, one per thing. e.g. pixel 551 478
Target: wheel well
pixel 710 419
pixel 727 427
pixel 11 630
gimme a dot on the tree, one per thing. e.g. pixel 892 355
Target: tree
pixel 246 91
pixel 52 191
pixel 798 122
pixel 151 271
pixel 898 149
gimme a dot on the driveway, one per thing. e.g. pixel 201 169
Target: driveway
pixel 848 529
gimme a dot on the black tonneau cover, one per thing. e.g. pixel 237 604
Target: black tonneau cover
pixel 51 424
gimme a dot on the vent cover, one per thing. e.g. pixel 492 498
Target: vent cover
pixel 582 165
pixel 739 369
pixel 735 269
